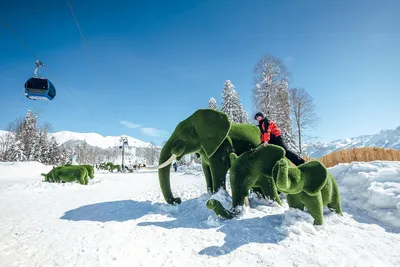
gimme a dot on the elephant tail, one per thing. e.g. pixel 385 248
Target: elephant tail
pixel 219 210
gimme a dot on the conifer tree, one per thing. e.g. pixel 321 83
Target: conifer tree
pixel 54 152
pixel 231 105
pixel 212 103
pixel 26 136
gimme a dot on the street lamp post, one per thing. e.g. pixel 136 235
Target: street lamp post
pixel 124 141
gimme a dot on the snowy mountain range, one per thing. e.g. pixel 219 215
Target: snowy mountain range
pixel 95 139
pixel 385 139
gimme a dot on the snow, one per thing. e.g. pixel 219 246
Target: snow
pixel 371 188
pixel 122 220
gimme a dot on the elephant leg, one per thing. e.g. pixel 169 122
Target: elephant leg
pixel 269 189
pixel 294 201
pixel 81 179
pixel 315 207
pixel 335 201
pixel 218 173
pixel 208 176
pixel 240 186
pixel 259 192
pixel 335 206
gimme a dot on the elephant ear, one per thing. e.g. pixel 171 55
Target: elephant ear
pixel 314 175
pixel 232 158
pixel 212 127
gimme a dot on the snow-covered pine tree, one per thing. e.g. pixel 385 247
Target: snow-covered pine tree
pixel 244 117
pixel 17 152
pixel 25 136
pixel 231 105
pixel 6 143
pixel 212 103
pixel 54 152
pixel 65 155
pixel 38 144
pixel 41 152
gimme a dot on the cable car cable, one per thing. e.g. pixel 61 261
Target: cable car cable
pixel 80 32
pixel 87 48
pixel 18 38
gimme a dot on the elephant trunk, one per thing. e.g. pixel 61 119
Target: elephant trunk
pixel 221 212
pixel 164 177
pixel 282 179
pixel 288 180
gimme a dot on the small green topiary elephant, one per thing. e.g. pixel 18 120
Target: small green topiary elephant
pixel 309 185
pixel 253 169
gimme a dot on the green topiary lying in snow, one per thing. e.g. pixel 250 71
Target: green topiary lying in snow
pixel 67 174
pixel 90 170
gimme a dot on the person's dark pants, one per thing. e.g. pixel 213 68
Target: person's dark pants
pixel 293 157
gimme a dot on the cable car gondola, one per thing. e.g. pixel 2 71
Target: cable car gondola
pixel 38 87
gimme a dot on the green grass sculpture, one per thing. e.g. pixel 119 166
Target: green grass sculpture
pixel 209 133
pixel 111 167
pixel 253 169
pixel 67 174
pixel 309 185
pixel 90 170
pixel 50 177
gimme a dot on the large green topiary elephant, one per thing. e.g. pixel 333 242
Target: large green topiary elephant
pixel 253 169
pixel 209 133
pixel 309 185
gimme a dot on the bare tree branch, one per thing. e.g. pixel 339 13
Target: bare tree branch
pixel 303 113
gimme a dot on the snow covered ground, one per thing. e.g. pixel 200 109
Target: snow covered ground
pixel 122 220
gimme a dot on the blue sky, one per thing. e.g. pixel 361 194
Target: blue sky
pixel 151 64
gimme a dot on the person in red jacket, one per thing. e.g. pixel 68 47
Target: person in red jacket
pixel 271 134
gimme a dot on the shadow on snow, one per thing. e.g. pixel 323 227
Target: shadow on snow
pixel 192 213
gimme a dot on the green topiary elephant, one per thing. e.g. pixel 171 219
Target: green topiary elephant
pixel 209 133
pixel 67 174
pixel 309 185
pixel 253 169
pixel 111 167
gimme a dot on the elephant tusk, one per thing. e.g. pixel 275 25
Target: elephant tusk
pixel 166 163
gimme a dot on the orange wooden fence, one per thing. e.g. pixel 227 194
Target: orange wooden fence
pixel 364 154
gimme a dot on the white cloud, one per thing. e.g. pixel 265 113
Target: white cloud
pixel 154 132
pixel 129 124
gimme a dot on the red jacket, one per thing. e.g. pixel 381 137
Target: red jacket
pixel 271 129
